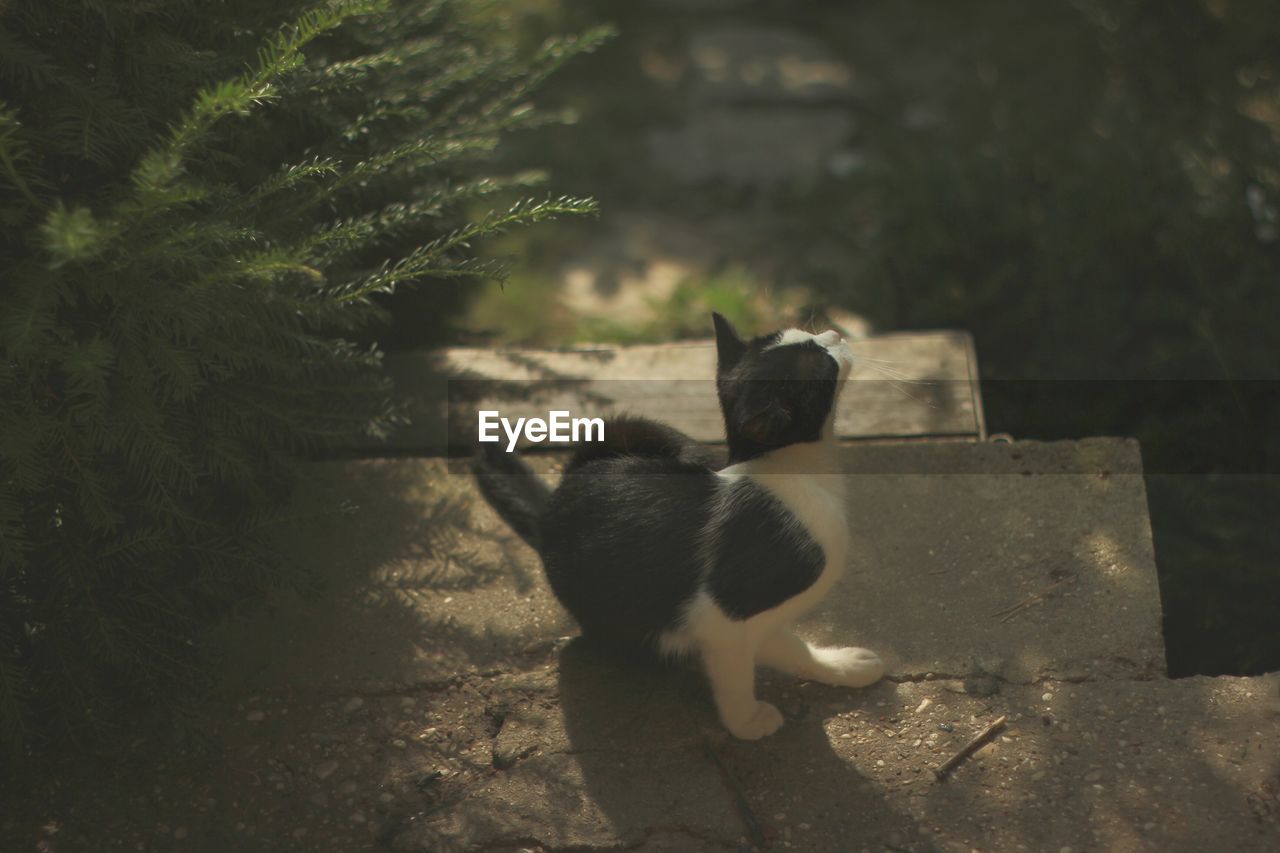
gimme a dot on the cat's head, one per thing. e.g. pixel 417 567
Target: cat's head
pixel 777 389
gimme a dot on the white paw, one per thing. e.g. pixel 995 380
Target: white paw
pixel 849 666
pixel 755 723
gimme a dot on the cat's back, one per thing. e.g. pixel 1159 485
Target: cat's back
pixel 644 476
pixel 629 500
pixel 621 535
pixel 631 437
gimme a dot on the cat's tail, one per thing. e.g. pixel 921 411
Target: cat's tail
pixel 512 489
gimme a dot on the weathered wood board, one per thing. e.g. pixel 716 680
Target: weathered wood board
pixel 908 385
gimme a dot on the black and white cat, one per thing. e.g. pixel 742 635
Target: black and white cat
pixel 649 547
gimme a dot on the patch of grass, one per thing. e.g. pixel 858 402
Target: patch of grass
pixel 734 292
pixel 528 310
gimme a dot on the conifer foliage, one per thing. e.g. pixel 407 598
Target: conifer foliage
pixel 198 203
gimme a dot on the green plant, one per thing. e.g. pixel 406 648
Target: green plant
pixel 199 204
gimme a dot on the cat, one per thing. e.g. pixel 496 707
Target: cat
pixel 649 547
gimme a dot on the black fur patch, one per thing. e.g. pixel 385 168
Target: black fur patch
pixel 620 543
pixel 761 555
pixel 627 435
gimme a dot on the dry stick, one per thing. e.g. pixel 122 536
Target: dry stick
pixel 1031 600
pixel 970 748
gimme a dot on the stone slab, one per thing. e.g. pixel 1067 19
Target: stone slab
pixel 1025 560
pixel 910 385
pixel 423 581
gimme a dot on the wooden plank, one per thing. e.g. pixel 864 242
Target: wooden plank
pixel 906 385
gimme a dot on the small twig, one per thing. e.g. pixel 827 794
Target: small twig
pixel 970 748
pixel 1031 600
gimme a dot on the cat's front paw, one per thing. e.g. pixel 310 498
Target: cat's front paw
pixel 755 723
pixel 851 666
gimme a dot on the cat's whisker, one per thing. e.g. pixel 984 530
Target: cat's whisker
pixel 896 383
pixel 877 360
pixel 904 392
pixel 907 380
pixel 891 371
pixel 881 363
pixel 899 376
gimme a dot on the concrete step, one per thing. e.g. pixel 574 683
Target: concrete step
pixel 1021 561
pixel 1025 561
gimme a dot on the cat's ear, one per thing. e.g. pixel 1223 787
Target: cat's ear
pixel 729 344
pixel 766 426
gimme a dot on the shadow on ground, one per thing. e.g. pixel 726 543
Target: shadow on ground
pixel 402 577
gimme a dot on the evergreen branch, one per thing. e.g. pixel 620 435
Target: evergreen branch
pixel 351 73
pixel 426 149
pixel 553 54
pixel 281 55
pixel 291 175
pixel 13 151
pixel 195 240
pixel 425 261
pixel 269 265
pixel 134 544
pixel 522 212
pixel 15 690
pixel 21 62
pixel 29 316
pixel 463 67
pixel 23 451
pixel 351 235
pixel 269 269
pixel 416 267
pixel 92 497
pixel 14 544
pixel 72 235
